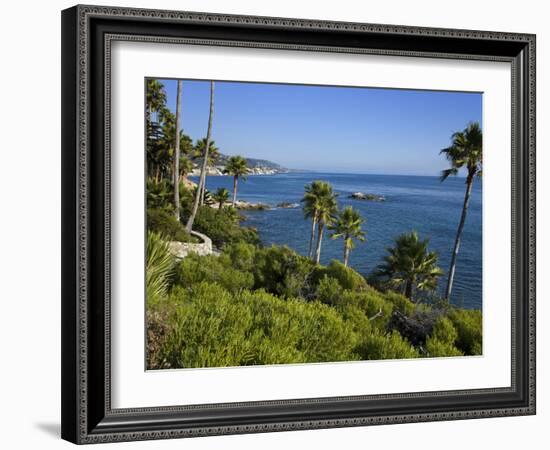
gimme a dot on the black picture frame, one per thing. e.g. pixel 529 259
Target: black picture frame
pixel 87 32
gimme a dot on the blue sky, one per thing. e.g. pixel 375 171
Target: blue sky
pixel 330 129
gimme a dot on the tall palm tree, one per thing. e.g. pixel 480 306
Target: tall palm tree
pixel 213 155
pixel 221 196
pixel 348 227
pixel 326 209
pixel 409 265
pixel 198 196
pixel 466 151
pixel 238 167
pixel 311 205
pixel 176 170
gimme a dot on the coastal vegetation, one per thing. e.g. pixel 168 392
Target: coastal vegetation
pixel 247 303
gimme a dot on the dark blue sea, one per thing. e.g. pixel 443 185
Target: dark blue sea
pixel 416 203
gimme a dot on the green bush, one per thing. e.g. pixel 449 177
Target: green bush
pixel 346 276
pixel 283 272
pixel 222 226
pixel 211 327
pixel 377 345
pixel 442 340
pixel 436 348
pixel 163 221
pixel 242 255
pixel 372 304
pixel 195 269
pixel 329 291
pixel 444 331
pixel 468 323
pixel 400 302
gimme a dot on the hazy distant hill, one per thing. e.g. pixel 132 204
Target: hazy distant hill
pixel 254 163
pixel 255 166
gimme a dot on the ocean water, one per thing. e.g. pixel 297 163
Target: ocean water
pixel 416 203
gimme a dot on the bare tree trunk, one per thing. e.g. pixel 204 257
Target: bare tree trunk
pixel 312 235
pixel 234 191
pixel 319 241
pixel 176 171
pixel 452 268
pixel 189 225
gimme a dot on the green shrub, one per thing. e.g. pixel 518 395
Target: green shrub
pixel 444 331
pixel 222 226
pixel 329 291
pixel 372 304
pixel 211 327
pixel 282 271
pixel 242 255
pixel 400 302
pixel 442 340
pixel 436 348
pixel 377 345
pixel 195 269
pixel 163 221
pixel 468 323
pixel 346 276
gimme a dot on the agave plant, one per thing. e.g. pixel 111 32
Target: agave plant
pixel 159 269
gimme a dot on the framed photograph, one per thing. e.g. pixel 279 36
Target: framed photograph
pixel 279 224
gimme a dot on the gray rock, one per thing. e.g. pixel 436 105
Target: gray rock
pixel 367 196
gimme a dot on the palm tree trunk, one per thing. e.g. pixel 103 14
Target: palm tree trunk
pixel 235 178
pixel 203 190
pixel 191 219
pixel 177 155
pixel 408 289
pixel 157 174
pixel 312 235
pixel 469 184
pixel 346 253
pixel 319 241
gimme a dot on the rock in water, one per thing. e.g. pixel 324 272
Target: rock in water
pixel 367 196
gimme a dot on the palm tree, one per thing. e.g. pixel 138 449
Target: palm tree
pixel 238 167
pixel 186 166
pixel 410 266
pixel 198 196
pixel 311 205
pixel 155 99
pixel 213 155
pixel 326 208
pixel 221 196
pixel 465 151
pixel 348 227
pixel 176 170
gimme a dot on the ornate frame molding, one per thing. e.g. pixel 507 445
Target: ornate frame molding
pixel 85 422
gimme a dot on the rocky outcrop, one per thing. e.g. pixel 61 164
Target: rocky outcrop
pixel 182 249
pixel 241 204
pixel 367 196
pixel 288 205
